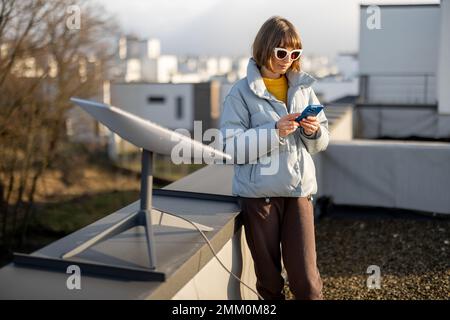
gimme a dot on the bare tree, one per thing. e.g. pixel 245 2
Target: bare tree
pixel 44 60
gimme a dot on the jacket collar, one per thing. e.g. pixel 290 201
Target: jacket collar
pixel 256 83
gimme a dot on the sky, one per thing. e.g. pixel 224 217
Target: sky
pixel 228 27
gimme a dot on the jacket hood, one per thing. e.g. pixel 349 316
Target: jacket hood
pixel 256 83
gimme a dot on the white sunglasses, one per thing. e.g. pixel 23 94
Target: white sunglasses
pixel 281 53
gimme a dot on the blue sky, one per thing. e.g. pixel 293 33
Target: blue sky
pixel 227 27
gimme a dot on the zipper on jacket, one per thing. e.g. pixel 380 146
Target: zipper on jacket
pixel 289 98
pixel 252 172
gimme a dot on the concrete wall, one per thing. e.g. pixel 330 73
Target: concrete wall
pixel 214 282
pixel 400 122
pixel 390 174
pixel 406 43
pixel 444 62
pixel 399 60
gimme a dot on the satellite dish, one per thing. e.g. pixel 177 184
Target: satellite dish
pixel 146 134
pixel 151 137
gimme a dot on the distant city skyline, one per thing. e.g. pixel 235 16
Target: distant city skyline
pixel 228 27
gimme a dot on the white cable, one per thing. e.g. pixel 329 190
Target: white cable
pixel 212 250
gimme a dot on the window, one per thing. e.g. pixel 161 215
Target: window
pixel 156 99
pixel 179 108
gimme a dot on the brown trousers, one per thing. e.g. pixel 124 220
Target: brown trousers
pixel 289 221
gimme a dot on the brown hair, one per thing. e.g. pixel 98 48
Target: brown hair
pixel 275 32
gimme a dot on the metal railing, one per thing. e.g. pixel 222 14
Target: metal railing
pixel 398 88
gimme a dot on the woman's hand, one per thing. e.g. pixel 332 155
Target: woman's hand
pixel 286 125
pixel 310 125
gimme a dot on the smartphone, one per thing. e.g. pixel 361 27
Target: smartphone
pixel 311 110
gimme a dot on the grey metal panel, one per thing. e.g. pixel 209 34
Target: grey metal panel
pixel 393 174
pixel 397 122
pixel 443 73
pixel 394 47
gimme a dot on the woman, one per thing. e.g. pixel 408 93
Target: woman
pixel 275 184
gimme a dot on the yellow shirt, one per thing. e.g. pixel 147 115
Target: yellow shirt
pixel 277 87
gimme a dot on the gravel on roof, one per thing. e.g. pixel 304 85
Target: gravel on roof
pixel 413 255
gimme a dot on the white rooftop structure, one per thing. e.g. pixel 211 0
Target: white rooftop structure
pixel 404 71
